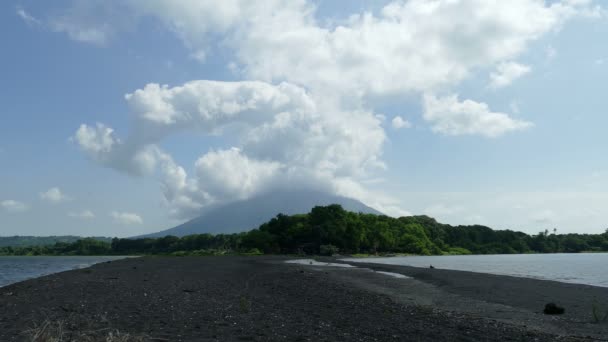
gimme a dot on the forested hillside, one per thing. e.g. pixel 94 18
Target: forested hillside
pixel 331 230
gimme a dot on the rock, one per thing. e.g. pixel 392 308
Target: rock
pixel 553 309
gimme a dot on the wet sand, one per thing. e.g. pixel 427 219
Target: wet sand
pixel 265 299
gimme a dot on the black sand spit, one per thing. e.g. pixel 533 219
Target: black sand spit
pixel 263 299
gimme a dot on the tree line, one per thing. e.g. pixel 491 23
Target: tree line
pixel 19 241
pixel 330 230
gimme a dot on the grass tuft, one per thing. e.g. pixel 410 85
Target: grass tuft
pixel 59 331
pixel 599 315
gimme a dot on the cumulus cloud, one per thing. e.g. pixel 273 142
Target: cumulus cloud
pixel 450 116
pixel 308 118
pixel 84 215
pixel 230 174
pixel 410 46
pixel 413 45
pixel 506 73
pixel 13 206
pixel 95 140
pixel 126 218
pixel 286 135
pixel 53 195
pixel 398 122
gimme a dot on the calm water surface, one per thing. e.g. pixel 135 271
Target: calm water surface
pixel 17 268
pixel 583 268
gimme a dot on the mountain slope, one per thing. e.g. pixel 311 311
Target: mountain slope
pixel 249 214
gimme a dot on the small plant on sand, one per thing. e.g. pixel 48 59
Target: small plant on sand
pixel 47 331
pixel 328 250
pixel 117 336
pixel 63 331
pixel 599 315
pixel 244 305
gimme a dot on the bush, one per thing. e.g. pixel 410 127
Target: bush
pixel 458 251
pixel 328 250
pixel 254 251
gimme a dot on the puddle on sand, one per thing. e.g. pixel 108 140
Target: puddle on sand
pixel 312 262
pixel 394 275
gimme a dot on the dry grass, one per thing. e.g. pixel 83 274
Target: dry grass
pixel 59 331
pixel 599 315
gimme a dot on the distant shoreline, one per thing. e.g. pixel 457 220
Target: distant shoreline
pixel 17 271
pixel 263 299
pixel 341 258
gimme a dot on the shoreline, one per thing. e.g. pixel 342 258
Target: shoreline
pixel 582 279
pixel 340 258
pixel 517 300
pixel 262 298
pixel 84 261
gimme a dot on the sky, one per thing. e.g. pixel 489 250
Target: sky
pixel 124 118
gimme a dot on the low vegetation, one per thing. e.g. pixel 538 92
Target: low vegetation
pixel 599 315
pixel 330 230
pixel 62 331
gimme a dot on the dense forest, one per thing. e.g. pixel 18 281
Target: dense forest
pixel 331 230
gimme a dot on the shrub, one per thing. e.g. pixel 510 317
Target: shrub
pixel 328 250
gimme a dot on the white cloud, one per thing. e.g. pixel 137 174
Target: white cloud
pixel 93 36
pixel 199 55
pixel 95 140
pixel 13 206
pixel 101 145
pixel 126 218
pixel 506 73
pixel 92 22
pixel 230 174
pixel 408 46
pixel 286 136
pixel 398 122
pixel 85 215
pixel 210 104
pixel 27 18
pixel 448 115
pixel 53 195
pixel 414 46
pixel 309 117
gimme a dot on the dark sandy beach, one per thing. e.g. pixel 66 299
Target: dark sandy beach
pixel 264 299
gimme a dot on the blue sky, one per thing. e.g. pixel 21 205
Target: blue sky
pixel 501 121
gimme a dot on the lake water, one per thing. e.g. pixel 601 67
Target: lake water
pixel 17 268
pixel 582 268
